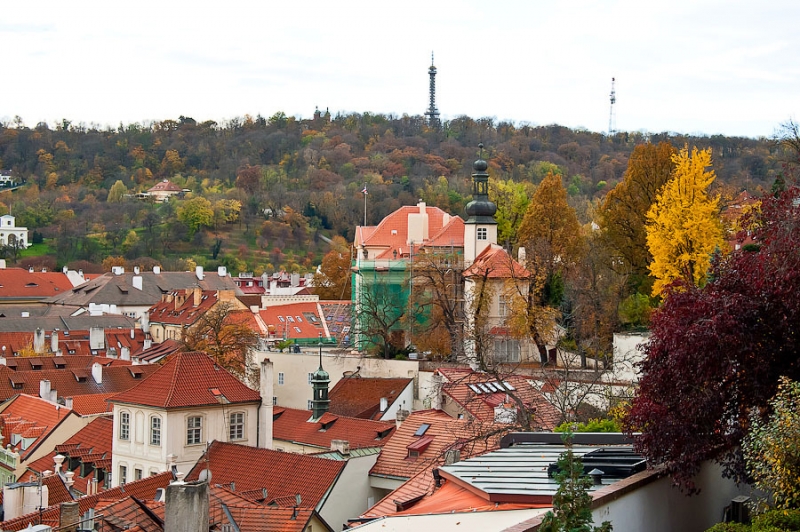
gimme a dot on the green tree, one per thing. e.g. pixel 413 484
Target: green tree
pixel 196 213
pixel 572 503
pixel 512 199
pixel 683 225
pixel 623 214
pixel 117 192
pixel 772 447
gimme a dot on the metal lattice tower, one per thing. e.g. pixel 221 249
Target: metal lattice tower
pixel 432 113
pixel 612 118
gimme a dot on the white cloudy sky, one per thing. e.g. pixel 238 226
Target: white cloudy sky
pixel 721 66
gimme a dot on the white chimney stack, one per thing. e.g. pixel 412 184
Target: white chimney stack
pixel 384 404
pixel 44 389
pixel 157 270
pixel 222 271
pixel 137 282
pixel 97 373
pixel 198 271
pixel 54 341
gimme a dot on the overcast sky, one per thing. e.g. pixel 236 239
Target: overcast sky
pixel 727 66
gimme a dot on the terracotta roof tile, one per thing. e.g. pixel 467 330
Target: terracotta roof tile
pixel 445 432
pixel 479 394
pixel 141 489
pixel 295 426
pixel 165 186
pixel 186 379
pixel 253 517
pixel 18 283
pixel 495 262
pixel 295 320
pixel 31 415
pixel 391 234
pixel 96 403
pixel 283 474
pixel 361 397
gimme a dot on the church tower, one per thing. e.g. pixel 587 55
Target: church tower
pixel 480 229
pixel 320 381
pixel 432 113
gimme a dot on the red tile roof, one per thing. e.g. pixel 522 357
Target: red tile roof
pixel 391 234
pixel 130 514
pixel 283 474
pixel 186 379
pixel 495 262
pixel 294 426
pixel 18 283
pixel 72 382
pixel 159 351
pixel 91 445
pixel 295 320
pixel 141 489
pixel 96 403
pixel 253 517
pixel 468 436
pixel 361 397
pixel 181 308
pixel 458 386
pixel 30 417
pixel 71 343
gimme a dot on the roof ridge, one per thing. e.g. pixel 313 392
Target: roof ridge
pixel 177 362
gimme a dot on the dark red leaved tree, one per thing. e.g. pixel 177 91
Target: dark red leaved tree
pixel 715 354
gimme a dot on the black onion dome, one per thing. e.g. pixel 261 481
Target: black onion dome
pixel 480 165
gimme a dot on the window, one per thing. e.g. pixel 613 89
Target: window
pixel 310 404
pixel 274 401
pixel 194 430
pixel 310 377
pixel 507 350
pixel 280 378
pixel 123 474
pixel 482 233
pixel 502 305
pixel 155 430
pixel 137 474
pixel 422 429
pixel 236 431
pixel 124 426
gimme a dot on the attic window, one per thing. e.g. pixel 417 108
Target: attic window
pixel 422 429
pixel 281 318
pixel 17 385
pixel 36 364
pixel 419 446
pixel 136 373
pixel 31 285
pixel 299 319
pixel 297 329
pixel 123 289
pixel 383 433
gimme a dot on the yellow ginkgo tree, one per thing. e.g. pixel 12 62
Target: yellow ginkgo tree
pixel 683 225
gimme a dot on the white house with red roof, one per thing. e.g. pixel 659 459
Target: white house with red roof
pixel 164 190
pixel 172 415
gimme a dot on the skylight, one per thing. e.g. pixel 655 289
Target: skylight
pixel 422 429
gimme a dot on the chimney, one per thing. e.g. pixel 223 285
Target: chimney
pixel 198 296
pixel 505 413
pixel 265 410
pixel 157 270
pixel 125 353
pixel 451 456
pixel 222 271
pixel 44 389
pixel 148 343
pixel 54 341
pixel 70 516
pixel 38 341
pixel 137 282
pixel 186 507
pixel 117 270
pixel 58 460
pixel 522 257
pixel 436 391
pixel 384 404
pixel 97 338
pixel 343 446
pixel 97 373
pixel 295 279
pixel 68 403
pixel 133 333
pixel 136 270
pixel 145 321
pixel 401 416
pixel 198 271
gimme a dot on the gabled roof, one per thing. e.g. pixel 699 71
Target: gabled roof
pixel 180 309
pixel 165 186
pixel 141 489
pixel 113 289
pixel 495 262
pixel 295 426
pixel 159 351
pixel 90 445
pixel 33 419
pixel 188 380
pixel 131 514
pixel 361 397
pixel 469 437
pixel 284 475
pixel 391 234
pixel 479 394
pixel 21 284
pixel 252 517
pixel 74 381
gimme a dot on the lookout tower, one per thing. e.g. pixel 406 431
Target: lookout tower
pixel 432 113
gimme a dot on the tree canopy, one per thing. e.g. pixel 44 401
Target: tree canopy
pixel 716 352
pixel 683 225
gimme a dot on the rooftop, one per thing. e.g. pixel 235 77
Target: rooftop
pixel 296 426
pixel 360 397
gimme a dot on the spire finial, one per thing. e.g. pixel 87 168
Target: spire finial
pixel 431 57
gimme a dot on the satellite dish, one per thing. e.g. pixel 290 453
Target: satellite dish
pixel 204 476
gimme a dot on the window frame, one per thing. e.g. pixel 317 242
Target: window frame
pixel 155 432
pixel 482 234
pixel 125 425
pixel 238 426
pixel 281 378
pixel 194 434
